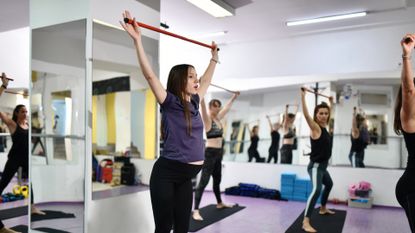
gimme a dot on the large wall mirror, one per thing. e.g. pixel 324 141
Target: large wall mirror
pixel 373 98
pixel 123 113
pixel 58 128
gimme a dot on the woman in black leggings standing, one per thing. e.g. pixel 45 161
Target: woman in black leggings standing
pixel 319 157
pixel 275 140
pixel 182 156
pixel 253 147
pixel 213 152
pixel 404 123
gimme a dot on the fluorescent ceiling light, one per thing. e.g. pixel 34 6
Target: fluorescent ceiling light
pixel 217 8
pixel 327 18
pixel 212 34
pixel 107 24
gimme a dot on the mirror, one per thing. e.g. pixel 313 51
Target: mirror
pixel 58 126
pixel 123 113
pixel 373 97
pixel 14 182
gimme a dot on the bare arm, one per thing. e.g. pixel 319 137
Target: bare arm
pixel 227 106
pixel 205 116
pixel 206 78
pixel 408 89
pixel 5 83
pixel 270 123
pixel 314 127
pixel 9 122
pixel 134 31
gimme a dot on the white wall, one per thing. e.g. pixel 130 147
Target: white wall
pixel 269 176
pixel 49 12
pixel 15 47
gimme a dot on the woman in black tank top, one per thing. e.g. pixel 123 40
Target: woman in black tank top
pixel 253 147
pixel 319 157
pixel 275 140
pixel 404 123
pixel 358 140
pixel 18 155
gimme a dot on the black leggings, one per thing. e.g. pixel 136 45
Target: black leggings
pixel 253 153
pixel 272 154
pixel 171 194
pixel 319 176
pixel 12 165
pixel 405 193
pixel 287 154
pixel 211 167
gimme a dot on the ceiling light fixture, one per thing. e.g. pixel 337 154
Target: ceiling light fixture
pixel 212 34
pixel 326 18
pixel 217 8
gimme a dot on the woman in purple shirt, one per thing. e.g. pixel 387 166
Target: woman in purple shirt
pixel 183 153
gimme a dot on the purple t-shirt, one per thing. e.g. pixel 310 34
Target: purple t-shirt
pixel 178 144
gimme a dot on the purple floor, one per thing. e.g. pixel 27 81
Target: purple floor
pixel 268 216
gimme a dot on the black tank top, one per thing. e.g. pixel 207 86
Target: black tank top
pixel 215 131
pixel 410 146
pixel 20 139
pixel 275 139
pixel 254 143
pixel 358 144
pixel 321 147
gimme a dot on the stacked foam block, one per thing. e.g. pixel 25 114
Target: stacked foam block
pixel 294 188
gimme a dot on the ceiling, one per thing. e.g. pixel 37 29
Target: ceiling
pixel 257 20
pixel 14 14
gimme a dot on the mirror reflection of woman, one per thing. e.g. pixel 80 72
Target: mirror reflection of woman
pixel 253 147
pixel 404 123
pixel 359 138
pixel 289 136
pixel 212 165
pixel 275 140
pixel 319 158
pixel 183 155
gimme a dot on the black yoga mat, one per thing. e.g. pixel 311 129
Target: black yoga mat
pixel 20 228
pixel 51 214
pixel 329 223
pixel 13 212
pixel 211 215
pixel 23 229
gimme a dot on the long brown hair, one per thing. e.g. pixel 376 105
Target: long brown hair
pixel 176 84
pixel 16 111
pixel 318 107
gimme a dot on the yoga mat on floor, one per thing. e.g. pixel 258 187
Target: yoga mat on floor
pixel 50 230
pixel 51 214
pixel 19 228
pixel 329 223
pixel 211 215
pixel 23 229
pixel 13 212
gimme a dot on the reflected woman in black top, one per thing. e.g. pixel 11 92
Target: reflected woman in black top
pixel 212 165
pixel 253 148
pixel 289 136
pixel 275 140
pixel 404 123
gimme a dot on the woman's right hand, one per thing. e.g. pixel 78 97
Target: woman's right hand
pixel 408 44
pixel 132 29
pixel 4 79
pixel 303 91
